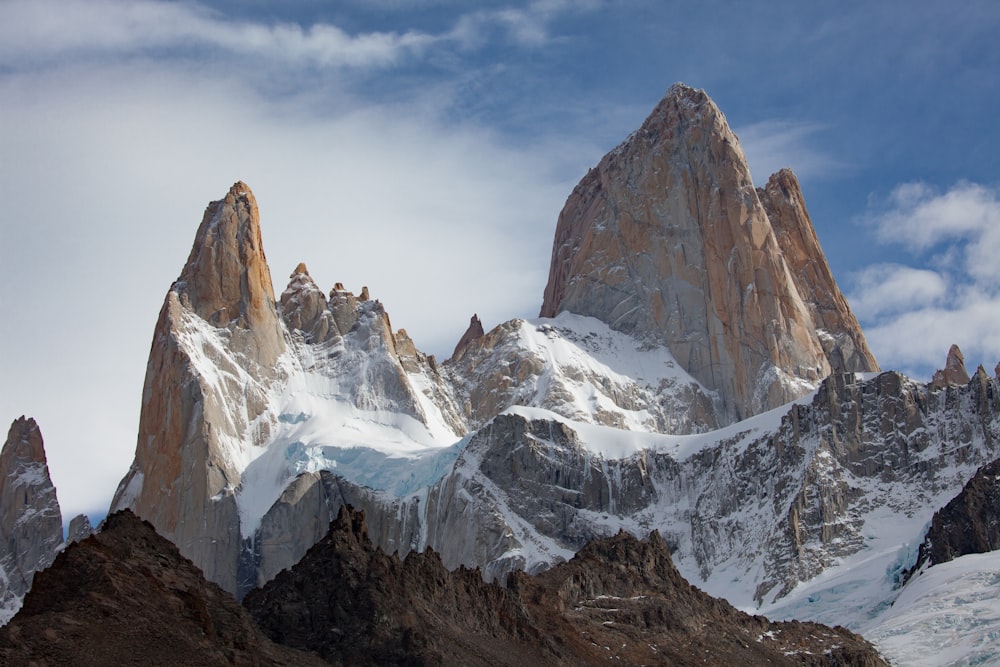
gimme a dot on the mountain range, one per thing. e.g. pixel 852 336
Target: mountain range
pixel 695 375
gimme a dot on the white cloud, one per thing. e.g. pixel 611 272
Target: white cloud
pixel 34 32
pixel 38 31
pixel 774 144
pixel 884 289
pixel 965 218
pixel 526 26
pixel 912 315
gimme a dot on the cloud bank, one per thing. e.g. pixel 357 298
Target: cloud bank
pixel 949 292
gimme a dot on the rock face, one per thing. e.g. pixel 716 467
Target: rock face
pixel 969 523
pixel 79 529
pixel 837 327
pixel 125 596
pixel 30 518
pixel 474 332
pixel 207 398
pixel 769 507
pixel 619 599
pixel 579 368
pixel 667 240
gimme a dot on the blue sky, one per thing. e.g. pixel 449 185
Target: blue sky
pixel 425 147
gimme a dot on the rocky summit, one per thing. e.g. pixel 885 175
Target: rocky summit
pixel 668 240
pixel 30 518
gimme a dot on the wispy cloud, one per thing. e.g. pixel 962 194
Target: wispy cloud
pixel 526 26
pixel 34 32
pixel 912 315
pixel 775 144
pixel 39 31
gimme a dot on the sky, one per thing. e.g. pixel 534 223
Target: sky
pixel 424 148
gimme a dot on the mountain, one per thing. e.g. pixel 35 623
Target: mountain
pixel 125 596
pixel 668 240
pixel 30 519
pixel 618 599
pixel 695 371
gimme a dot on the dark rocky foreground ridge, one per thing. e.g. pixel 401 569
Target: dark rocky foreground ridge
pixel 619 599
pixel 125 596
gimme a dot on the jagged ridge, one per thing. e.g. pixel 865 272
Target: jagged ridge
pixel 619 599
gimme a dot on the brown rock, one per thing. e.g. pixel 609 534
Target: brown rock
pixel 125 596
pixel 667 240
pixel 474 332
pixel 954 372
pixel 619 599
pixel 226 280
pixel 304 308
pixel 841 335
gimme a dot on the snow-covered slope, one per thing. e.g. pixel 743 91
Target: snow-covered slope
pixel 582 369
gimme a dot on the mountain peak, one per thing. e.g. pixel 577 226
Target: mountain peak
pixel 667 240
pixel 30 518
pixel 226 280
pixel 474 332
pixel 954 371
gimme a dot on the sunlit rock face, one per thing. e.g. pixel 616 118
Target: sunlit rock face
pixel 667 240
pixel 30 518
pixel 954 371
pixel 838 328
pixel 208 395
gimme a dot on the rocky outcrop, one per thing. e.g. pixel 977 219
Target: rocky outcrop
pixel 968 524
pixel 474 332
pixel 125 596
pixel 348 342
pixel 667 239
pixel 954 372
pixel 301 517
pixel 208 398
pixel 578 368
pixel 30 518
pixel 226 280
pixel 619 599
pixel 79 529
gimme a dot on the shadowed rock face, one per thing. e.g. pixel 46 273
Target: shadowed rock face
pixel 968 524
pixel 667 239
pixel 30 518
pixel 125 596
pixel 620 599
